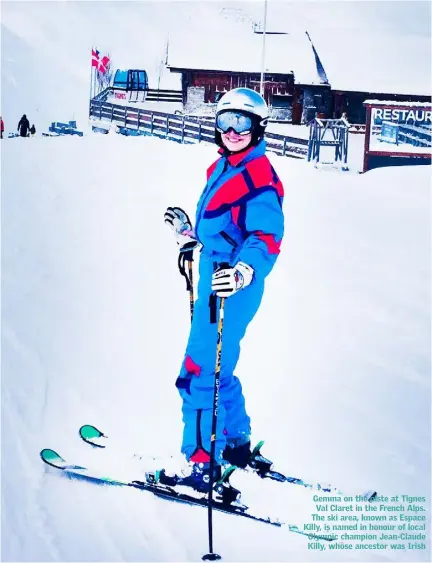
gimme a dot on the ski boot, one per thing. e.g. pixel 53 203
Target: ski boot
pixel 263 466
pixel 227 493
pixel 242 456
pixel 258 462
pixel 237 454
pixel 198 478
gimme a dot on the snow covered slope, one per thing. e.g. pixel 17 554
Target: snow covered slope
pixel 335 367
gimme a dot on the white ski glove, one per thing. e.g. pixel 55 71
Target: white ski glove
pixel 227 281
pixel 178 220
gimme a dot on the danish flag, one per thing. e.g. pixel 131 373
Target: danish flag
pixel 100 63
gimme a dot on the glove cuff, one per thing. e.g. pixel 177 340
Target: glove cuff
pixel 246 272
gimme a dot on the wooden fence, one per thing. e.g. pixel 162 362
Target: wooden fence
pixel 181 128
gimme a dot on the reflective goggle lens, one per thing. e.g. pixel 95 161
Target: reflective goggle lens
pixel 241 124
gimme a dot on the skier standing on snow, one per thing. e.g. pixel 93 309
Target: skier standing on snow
pixel 239 227
pixel 23 126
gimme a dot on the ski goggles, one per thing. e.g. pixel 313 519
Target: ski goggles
pixel 238 122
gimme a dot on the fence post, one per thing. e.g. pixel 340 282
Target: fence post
pixel 183 128
pixel 284 147
pixel 125 117
pixel 100 110
pixel 112 112
pixel 346 146
pixel 151 123
pixel 338 152
pixel 138 120
pixel 167 126
pixel 311 142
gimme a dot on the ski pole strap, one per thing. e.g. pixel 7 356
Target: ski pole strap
pixel 183 257
pixel 213 308
pixel 191 292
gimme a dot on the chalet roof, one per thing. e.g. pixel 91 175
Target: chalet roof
pixel 375 62
pixel 365 61
pixel 397 104
pixel 241 52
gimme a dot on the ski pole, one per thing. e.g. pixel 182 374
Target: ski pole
pixel 211 556
pixel 187 257
pixel 191 289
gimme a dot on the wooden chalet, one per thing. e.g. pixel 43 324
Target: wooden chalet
pixel 365 65
pixel 295 85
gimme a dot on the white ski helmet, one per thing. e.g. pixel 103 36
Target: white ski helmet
pixel 249 102
pixel 243 99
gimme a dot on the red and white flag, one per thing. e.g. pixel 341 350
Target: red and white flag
pixel 101 64
pixel 95 58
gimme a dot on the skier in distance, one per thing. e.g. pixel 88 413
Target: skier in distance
pixel 23 126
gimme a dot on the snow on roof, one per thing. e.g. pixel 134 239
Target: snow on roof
pixel 361 58
pixel 242 52
pixel 393 103
pixel 361 62
pixel 374 62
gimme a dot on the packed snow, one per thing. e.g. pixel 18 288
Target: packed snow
pixel 335 366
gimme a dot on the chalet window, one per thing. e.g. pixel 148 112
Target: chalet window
pixel 282 101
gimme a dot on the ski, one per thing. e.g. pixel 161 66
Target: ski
pixel 259 465
pixel 53 459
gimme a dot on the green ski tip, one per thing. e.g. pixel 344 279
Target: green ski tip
pixel 91 435
pixel 52 458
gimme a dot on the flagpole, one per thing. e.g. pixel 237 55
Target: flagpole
pixel 263 50
pixel 94 82
pixel 91 80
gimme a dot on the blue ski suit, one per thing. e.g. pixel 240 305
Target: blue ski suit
pixel 239 218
